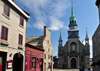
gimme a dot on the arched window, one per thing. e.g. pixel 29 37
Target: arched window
pixel 72 21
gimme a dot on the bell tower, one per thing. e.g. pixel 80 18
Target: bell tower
pixel 73 32
pixel 60 47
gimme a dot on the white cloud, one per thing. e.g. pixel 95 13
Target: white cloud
pixel 55 24
pixel 43 10
pixel 28 25
pixel 90 42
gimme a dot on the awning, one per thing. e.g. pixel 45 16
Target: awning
pixel 93 64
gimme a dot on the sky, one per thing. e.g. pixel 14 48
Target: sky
pixel 55 15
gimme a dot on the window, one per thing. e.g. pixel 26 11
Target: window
pixel 20 39
pixel 48 56
pixel 72 21
pixel 82 58
pixel 21 21
pixel 64 58
pixel 33 63
pixel 48 50
pixel 48 41
pixel 49 66
pixel 4 33
pixel 51 58
pixel 44 56
pixel 6 10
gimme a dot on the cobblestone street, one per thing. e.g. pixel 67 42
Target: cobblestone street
pixel 65 69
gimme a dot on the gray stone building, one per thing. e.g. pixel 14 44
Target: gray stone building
pixel 13 23
pixel 74 54
pixel 45 43
pixel 96 44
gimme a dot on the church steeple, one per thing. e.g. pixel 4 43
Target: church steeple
pixel 72 11
pixel 86 38
pixel 60 40
pixel 73 31
pixel 72 19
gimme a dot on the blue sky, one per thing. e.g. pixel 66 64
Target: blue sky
pixel 55 15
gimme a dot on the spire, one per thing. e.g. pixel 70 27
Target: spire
pixel 86 35
pixel 86 32
pixel 72 10
pixel 60 33
pixel 60 39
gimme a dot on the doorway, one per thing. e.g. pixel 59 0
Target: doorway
pixel 18 62
pixel 73 63
pixel 3 56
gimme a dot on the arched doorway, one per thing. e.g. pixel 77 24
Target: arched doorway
pixel 73 63
pixel 18 62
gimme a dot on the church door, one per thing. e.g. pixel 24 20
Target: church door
pixel 73 63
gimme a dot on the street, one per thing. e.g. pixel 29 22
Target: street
pixel 65 69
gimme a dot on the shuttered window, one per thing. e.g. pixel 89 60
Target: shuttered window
pixel 4 33
pixel 20 39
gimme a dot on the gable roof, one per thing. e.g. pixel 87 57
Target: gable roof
pixel 35 40
pixel 73 35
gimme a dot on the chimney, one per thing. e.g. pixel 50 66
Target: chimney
pixel 45 27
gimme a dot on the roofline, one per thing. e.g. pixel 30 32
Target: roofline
pixel 26 15
pixel 35 47
pixel 95 30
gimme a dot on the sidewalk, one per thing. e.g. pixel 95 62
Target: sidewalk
pixel 65 69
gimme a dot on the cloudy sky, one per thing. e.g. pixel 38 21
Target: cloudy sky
pixel 55 15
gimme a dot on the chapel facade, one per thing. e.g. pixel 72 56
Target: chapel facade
pixel 74 54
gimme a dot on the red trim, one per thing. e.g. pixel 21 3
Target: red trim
pixel 6 10
pixel 4 33
pixel 21 21
pixel 35 47
pixel 20 40
pixel 43 39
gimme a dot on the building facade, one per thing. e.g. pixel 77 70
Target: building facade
pixel 34 58
pixel 13 22
pixel 74 54
pixel 45 43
